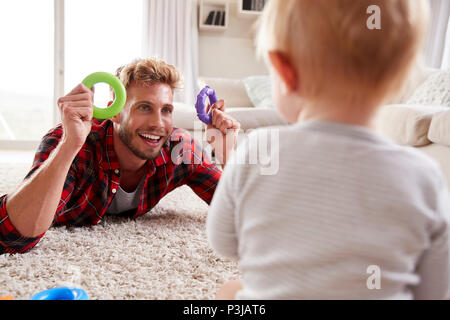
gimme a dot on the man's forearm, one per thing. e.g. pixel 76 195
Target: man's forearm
pixel 31 208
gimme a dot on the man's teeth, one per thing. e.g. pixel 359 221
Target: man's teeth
pixel 149 136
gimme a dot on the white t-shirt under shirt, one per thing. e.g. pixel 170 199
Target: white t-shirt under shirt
pixel 124 201
pixel 349 215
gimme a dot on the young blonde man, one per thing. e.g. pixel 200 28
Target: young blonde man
pixel 86 168
pixel 350 215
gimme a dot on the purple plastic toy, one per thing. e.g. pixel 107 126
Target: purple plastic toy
pixel 207 92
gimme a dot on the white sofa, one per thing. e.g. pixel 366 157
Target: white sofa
pixel 424 127
pixel 237 102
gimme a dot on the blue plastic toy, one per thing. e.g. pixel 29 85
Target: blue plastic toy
pixel 207 92
pixel 61 293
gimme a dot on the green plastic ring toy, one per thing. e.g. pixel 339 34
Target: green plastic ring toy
pixel 119 90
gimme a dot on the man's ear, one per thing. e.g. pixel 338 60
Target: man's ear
pixel 285 70
pixel 116 118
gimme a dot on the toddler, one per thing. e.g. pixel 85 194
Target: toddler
pixel 349 214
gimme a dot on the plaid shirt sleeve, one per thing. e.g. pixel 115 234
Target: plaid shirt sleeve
pixel 203 181
pixel 204 174
pixel 11 241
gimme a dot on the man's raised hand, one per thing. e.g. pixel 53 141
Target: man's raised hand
pixel 76 114
pixel 222 133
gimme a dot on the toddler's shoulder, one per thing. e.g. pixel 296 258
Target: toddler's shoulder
pixel 413 159
pixel 410 166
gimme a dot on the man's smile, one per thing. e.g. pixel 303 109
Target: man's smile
pixel 151 139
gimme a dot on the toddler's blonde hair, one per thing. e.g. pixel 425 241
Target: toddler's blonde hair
pixel 334 51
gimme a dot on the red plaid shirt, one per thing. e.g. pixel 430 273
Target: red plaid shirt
pixel 94 177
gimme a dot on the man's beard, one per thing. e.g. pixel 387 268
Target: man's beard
pixel 126 136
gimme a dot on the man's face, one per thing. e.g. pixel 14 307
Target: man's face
pixel 145 122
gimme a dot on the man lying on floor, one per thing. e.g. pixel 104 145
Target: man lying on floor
pixel 86 168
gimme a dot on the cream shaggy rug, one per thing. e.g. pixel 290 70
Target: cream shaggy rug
pixel 163 255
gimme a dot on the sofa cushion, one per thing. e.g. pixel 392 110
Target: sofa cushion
pixel 259 90
pixel 434 91
pixel 419 73
pixel 440 128
pixel 406 124
pixel 231 90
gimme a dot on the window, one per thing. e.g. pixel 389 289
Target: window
pixel 26 57
pixel 99 35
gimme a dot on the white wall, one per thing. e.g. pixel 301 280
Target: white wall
pixel 231 53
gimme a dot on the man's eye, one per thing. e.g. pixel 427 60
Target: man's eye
pixel 167 110
pixel 144 107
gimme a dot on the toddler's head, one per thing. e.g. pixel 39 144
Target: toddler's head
pixel 324 52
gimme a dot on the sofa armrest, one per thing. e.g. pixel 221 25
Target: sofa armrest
pixel 406 124
pixel 417 76
pixel 440 129
pixel 253 118
pixel 185 117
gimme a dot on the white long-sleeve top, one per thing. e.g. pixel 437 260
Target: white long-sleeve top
pixel 348 215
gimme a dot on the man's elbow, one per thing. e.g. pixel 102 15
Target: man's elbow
pixel 17 246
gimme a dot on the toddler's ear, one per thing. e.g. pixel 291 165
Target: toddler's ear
pixel 285 70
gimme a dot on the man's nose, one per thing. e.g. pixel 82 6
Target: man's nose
pixel 156 120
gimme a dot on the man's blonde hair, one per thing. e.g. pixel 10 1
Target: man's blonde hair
pixel 149 71
pixel 337 55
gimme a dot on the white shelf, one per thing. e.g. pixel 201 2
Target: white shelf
pixel 248 13
pixel 205 9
